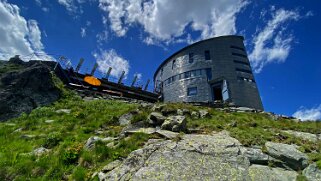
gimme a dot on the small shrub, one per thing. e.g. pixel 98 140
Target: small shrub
pixel 71 154
pixel 79 174
pixel 52 140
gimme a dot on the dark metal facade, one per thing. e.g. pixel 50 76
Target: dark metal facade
pixel 212 70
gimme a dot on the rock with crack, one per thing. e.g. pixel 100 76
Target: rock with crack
pixel 195 115
pixel 125 119
pixel 303 135
pixel 156 118
pixel 312 172
pixel 204 114
pixel 66 111
pixel 175 123
pixel 92 140
pixel 265 173
pixel 194 157
pixel 40 151
pixel 288 154
pixel 256 156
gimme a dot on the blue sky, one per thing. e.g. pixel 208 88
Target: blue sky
pixel 282 39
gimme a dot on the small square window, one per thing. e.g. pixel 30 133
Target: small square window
pixel 191 58
pixel 207 55
pixel 191 91
pixel 187 75
pixel 173 64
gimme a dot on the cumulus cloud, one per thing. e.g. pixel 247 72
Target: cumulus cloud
pixel 17 35
pixel 272 44
pixel 308 114
pixel 82 32
pixel 69 5
pixel 167 20
pixel 110 58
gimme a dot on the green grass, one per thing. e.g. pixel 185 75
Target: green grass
pixel 65 138
pixel 8 67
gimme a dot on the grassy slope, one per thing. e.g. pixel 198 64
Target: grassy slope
pixel 68 133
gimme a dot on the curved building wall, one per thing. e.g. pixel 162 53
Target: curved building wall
pixel 209 70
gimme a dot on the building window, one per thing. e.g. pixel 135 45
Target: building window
pixel 207 55
pixel 209 74
pixel 241 62
pixel 187 74
pixel 191 58
pixel 239 55
pixel 237 48
pixel 174 64
pixel 243 70
pixel 191 91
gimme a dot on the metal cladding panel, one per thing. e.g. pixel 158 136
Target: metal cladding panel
pixel 228 61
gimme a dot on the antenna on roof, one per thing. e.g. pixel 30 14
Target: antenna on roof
pixel 121 77
pixel 108 73
pixel 94 69
pixel 146 86
pixel 81 61
pixel 133 83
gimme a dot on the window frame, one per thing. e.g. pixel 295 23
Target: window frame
pixel 192 91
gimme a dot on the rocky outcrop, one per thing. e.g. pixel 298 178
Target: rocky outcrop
pixel 289 154
pixel 156 118
pixel 312 172
pixel 195 157
pixel 26 89
pixel 303 135
pixel 174 123
pixel 265 173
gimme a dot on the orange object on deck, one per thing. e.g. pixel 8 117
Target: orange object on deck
pixel 92 80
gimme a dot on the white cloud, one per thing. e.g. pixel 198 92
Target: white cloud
pixel 167 20
pixel 69 5
pixel 82 32
pixel 264 52
pixel 139 76
pixel 102 37
pixel 308 114
pixel 17 35
pixel 110 58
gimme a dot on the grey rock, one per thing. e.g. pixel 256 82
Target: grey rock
pixel 28 136
pixel 66 111
pixel 303 135
pixel 88 98
pixel 156 118
pixel 204 114
pixel 180 112
pixel 111 166
pixel 92 140
pixel 288 154
pixel 125 119
pixel 23 90
pixel 167 134
pixel 158 107
pixel 49 121
pixel 141 130
pixel 175 123
pixel 265 173
pixel 256 156
pixel 312 173
pixel 195 115
pixel 40 151
pixel 194 157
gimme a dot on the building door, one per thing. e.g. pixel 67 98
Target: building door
pixel 217 93
pixel 220 91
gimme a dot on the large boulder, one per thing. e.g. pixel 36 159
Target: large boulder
pixel 26 89
pixel 156 118
pixel 265 173
pixel 312 172
pixel 194 157
pixel 303 135
pixel 288 154
pixel 175 123
pixel 256 156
